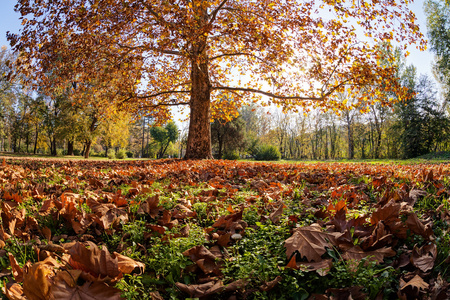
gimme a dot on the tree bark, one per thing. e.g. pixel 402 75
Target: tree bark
pixel 87 149
pixel 36 138
pixel 143 138
pixel 199 138
pixel 70 147
pixel 53 147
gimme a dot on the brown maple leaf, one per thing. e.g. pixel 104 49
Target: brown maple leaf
pixel 127 265
pixel 88 291
pixel 418 227
pixel 322 267
pixel 412 288
pixel 206 260
pixel 424 257
pixel 209 288
pixel 311 242
pixel 356 253
pixel 97 264
pixel 36 278
pixel 14 291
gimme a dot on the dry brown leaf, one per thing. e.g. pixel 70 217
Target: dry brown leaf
pixel 13 291
pixel 209 288
pixel 97 264
pixel 88 291
pixel 416 226
pixel 353 293
pixel 412 288
pixel 36 278
pixel 310 242
pixel 424 257
pixel 356 253
pixel 127 265
pixel 206 260
pixel 267 286
pixel 16 270
pixel 69 276
pixel 276 215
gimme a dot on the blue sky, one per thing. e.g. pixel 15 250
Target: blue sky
pixel 9 21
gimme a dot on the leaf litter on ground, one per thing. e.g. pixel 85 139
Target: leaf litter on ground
pixel 88 224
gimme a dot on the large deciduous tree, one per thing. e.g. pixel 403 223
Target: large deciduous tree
pixel 438 25
pixel 185 52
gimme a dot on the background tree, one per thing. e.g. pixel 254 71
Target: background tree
pixel 164 136
pixel 421 120
pixel 115 131
pixel 227 136
pixel 438 25
pixel 187 51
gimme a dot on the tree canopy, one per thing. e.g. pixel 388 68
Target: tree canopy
pixel 438 25
pixel 186 52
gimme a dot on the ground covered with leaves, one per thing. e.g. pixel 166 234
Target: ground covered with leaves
pixel 175 229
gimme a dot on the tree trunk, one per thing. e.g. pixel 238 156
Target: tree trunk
pixel 87 149
pixel 36 138
pixel 220 140
pixel 351 147
pixel 143 138
pixel 27 141
pixel 199 138
pixel 70 147
pixel 53 147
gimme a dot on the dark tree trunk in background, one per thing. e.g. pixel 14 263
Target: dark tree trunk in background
pixel 70 147
pixel 87 148
pixel 36 135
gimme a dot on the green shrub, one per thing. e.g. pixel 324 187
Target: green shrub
pixel 267 152
pixel 76 152
pixel 121 154
pixel 230 155
pixel 111 154
pixel 59 152
pixel 129 154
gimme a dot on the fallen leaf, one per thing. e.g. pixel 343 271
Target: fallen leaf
pixel 36 278
pixel 311 242
pixel 209 288
pixel 127 265
pixel 13 291
pixel 97 264
pixel 16 270
pixel 88 291
pixel 356 253
pixel 424 257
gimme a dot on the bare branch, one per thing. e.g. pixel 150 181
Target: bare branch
pixel 161 93
pixel 158 17
pixel 214 13
pixel 269 94
pixel 164 104
pixel 243 54
pixel 173 52
pixel 153 95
